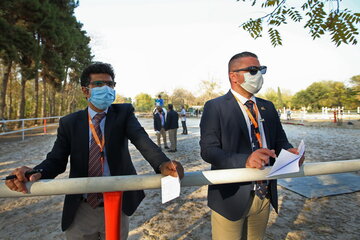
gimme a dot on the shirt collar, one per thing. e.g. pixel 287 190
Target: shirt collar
pixel 241 98
pixel 93 113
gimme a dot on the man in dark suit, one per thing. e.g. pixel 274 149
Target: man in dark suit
pixel 171 126
pixel 96 139
pixel 159 126
pixel 239 130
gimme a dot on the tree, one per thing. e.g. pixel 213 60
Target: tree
pixel 41 36
pixel 144 102
pixel 182 96
pixel 121 99
pixel 321 16
pixel 355 82
pixel 324 94
pixel 209 89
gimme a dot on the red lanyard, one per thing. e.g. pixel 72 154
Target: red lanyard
pixel 253 120
pixel 97 140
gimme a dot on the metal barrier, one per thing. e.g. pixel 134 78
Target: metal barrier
pixel 23 129
pixel 139 182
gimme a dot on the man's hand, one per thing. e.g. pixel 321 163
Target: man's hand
pixel 172 168
pixel 259 158
pixel 295 151
pixel 18 183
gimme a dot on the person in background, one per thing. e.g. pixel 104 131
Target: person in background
pixel 159 126
pixel 239 130
pixel 96 139
pixel 183 120
pixel 159 102
pixel 288 114
pixel 171 126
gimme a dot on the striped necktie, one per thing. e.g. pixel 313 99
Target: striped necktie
pixel 261 187
pixel 95 165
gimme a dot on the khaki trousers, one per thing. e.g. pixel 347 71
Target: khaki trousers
pixel 172 138
pixel 163 134
pixel 251 227
pixel 89 224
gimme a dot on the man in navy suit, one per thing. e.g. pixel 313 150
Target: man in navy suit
pixel 239 130
pixel 159 126
pixel 96 139
pixel 171 126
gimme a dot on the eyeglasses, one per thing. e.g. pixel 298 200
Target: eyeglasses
pixel 103 83
pixel 253 69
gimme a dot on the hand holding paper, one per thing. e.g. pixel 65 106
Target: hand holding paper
pixel 287 162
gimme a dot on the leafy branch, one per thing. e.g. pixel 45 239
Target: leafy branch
pixel 340 24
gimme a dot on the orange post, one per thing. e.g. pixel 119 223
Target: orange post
pixel 335 116
pixel 44 126
pixel 112 212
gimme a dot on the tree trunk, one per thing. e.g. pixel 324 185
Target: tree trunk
pixel 10 108
pixel 63 94
pixel 36 112
pixel 52 102
pixel 23 100
pixel 44 112
pixel 37 66
pixel 4 88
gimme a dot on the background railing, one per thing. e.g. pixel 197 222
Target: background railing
pixel 5 129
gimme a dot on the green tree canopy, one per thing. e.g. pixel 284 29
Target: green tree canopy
pixel 324 94
pixel 144 102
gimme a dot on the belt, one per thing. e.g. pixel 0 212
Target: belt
pixel 85 201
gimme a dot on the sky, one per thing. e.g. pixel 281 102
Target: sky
pixel 160 45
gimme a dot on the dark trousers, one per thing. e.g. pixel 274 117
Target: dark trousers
pixel 183 123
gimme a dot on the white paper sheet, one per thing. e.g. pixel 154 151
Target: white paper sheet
pixel 170 188
pixel 287 162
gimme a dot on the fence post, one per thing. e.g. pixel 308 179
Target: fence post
pixel 23 129
pixel 44 126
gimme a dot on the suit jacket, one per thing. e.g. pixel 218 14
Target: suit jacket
pixel 172 120
pixel 157 121
pixel 225 143
pixel 72 139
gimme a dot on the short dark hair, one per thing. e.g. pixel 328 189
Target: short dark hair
pixel 96 67
pixel 240 55
pixel 170 106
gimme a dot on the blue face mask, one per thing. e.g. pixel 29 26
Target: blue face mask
pixel 102 97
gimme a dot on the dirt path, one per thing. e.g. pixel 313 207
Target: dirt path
pixel 335 217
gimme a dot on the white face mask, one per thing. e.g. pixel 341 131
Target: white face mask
pixel 252 83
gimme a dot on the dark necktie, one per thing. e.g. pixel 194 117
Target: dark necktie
pixel 254 141
pixel 261 186
pixel 95 166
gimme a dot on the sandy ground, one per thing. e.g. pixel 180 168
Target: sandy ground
pixel 188 217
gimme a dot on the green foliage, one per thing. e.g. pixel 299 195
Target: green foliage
pixel 144 102
pixel 340 24
pixel 324 94
pixel 43 36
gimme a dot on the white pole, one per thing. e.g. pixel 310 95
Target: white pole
pixel 138 182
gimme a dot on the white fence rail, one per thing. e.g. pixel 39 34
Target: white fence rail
pixel 138 182
pixel 23 129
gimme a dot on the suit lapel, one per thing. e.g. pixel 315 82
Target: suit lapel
pixel 264 112
pixel 110 116
pixel 238 114
pixel 84 139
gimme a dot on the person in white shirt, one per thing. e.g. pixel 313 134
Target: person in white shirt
pixel 183 120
